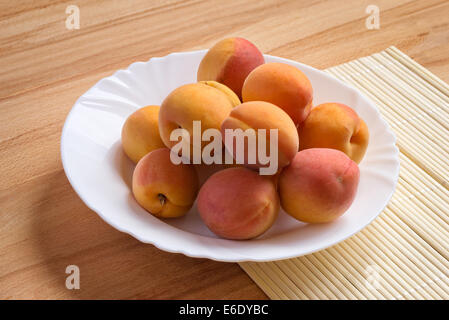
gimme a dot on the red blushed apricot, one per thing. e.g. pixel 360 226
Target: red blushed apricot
pixel 336 126
pixel 229 62
pixel 282 85
pixel 162 188
pixel 238 203
pixel 319 185
pixel 263 115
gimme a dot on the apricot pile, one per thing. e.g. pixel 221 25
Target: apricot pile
pixel 316 154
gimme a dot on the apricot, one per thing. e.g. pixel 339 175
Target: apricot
pixel 194 102
pixel 226 90
pixel 162 188
pixel 204 170
pixel 238 203
pixel 283 85
pixel 336 126
pixel 140 133
pixel 229 62
pixel 263 115
pixel 319 185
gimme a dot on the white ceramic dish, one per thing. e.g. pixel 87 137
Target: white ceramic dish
pixel 101 174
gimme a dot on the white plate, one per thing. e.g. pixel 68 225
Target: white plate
pixel 101 174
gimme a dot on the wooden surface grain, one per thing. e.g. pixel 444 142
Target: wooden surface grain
pixel 44 68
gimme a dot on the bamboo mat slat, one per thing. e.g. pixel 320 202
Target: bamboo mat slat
pixel 404 253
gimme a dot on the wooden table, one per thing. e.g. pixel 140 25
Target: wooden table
pixel 44 68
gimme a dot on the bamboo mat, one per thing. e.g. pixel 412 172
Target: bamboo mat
pixel 403 254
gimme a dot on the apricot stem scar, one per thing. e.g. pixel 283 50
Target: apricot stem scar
pixel 162 198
